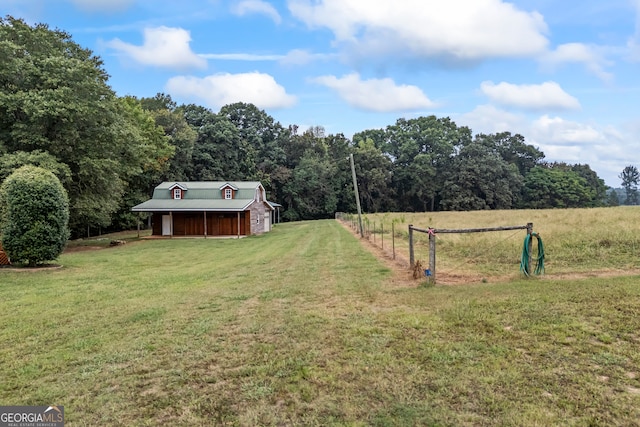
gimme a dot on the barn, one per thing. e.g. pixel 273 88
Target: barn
pixel 208 208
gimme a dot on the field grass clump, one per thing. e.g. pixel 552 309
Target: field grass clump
pixel 303 326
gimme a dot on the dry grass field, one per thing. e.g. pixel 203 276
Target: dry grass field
pixel 577 242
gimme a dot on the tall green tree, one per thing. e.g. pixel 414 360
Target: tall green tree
pixel 513 149
pixel 11 162
pixel 546 186
pixel 374 176
pixel 596 184
pixel 338 150
pixel 181 136
pixel 35 215
pixel 161 101
pixel 144 158
pixel 219 152
pixel 480 178
pixel 54 98
pixel 311 191
pixel 630 178
pixel 422 149
pixel 262 136
pixel 377 136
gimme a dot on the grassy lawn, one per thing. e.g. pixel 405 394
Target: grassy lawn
pixel 302 326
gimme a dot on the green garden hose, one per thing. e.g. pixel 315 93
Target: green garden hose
pixel 524 261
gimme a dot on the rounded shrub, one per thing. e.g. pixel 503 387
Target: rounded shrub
pixel 34 216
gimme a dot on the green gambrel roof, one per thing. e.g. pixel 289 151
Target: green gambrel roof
pixel 192 205
pixel 202 196
pixel 207 189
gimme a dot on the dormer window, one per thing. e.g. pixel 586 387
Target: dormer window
pixel 228 193
pixel 177 191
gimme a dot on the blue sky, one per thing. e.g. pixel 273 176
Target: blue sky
pixel 565 74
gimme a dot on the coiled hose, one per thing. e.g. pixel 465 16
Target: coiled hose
pixel 524 261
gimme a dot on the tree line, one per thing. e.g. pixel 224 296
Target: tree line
pixel 58 112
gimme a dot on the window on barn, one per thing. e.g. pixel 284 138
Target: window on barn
pixel 228 193
pixel 177 193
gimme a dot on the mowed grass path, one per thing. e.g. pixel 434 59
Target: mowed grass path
pixel 302 326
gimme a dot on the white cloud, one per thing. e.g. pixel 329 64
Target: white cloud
pixel 634 41
pixel 548 95
pixel 605 148
pixel 103 5
pixel 221 89
pixel 489 119
pixel 246 7
pixel 303 57
pixel 293 57
pixel 163 47
pixel 453 30
pixel 557 131
pixel 578 53
pixel 241 57
pixel 380 95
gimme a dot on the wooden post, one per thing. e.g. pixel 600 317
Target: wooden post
pixel 411 255
pixel 374 231
pixel 170 224
pixel 393 238
pixel 239 223
pixel 432 257
pixel 205 224
pixel 530 246
pixel 138 221
pixel 382 233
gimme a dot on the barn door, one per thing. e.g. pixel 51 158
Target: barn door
pixel 166 225
pixel 267 222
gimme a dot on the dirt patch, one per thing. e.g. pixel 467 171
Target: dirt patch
pixel 590 274
pixel 402 274
pixel 36 268
pixel 82 248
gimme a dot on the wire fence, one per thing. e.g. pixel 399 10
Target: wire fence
pixel 406 244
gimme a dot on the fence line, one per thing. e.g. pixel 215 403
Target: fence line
pixel 370 232
pixel 431 273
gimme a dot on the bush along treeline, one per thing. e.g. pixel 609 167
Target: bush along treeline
pixel 58 112
pixel 34 215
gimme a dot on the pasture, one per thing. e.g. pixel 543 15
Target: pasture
pixel 304 326
pixel 578 242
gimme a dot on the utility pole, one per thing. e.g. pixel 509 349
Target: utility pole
pixel 355 187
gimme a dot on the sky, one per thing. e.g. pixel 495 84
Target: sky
pixel 565 74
